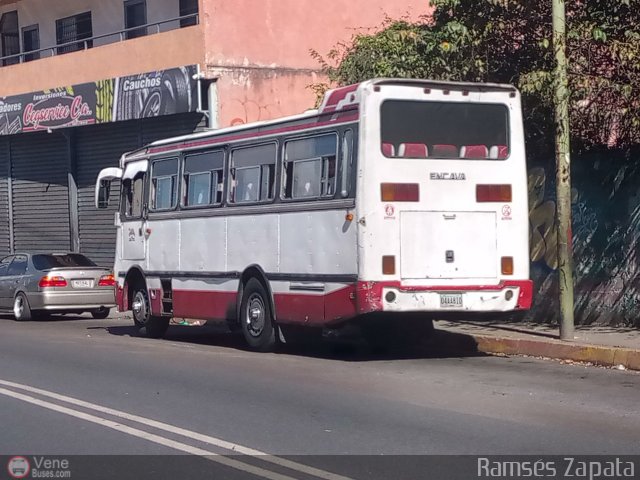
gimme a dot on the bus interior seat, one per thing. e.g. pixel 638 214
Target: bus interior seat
pixel 474 151
pixel 413 150
pixel 388 150
pixel 445 151
pixel 499 152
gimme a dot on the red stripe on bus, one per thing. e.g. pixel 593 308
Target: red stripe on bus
pixel 203 304
pixel 369 294
pixel 310 309
pixel 344 117
pixel 302 308
pixel 121 299
pixel 336 96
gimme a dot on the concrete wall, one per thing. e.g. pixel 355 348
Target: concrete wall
pixel 260 49
pixel 107 15
pixel 144 54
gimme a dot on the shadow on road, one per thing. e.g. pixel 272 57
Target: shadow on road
pixel 49 318
pixel 439 344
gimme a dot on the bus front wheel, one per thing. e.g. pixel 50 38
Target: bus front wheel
pixel 256 319
pixel 149 325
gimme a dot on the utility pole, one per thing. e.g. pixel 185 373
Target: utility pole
pixel 563 173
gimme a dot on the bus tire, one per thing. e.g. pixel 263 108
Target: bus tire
pixel 149 326
pixel 256 320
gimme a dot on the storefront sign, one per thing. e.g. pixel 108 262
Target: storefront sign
pixel 165 92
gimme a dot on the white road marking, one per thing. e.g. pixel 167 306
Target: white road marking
pixel 217 442
pixel 183 447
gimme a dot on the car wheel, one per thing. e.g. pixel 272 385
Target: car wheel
pixel 149 325
pixel 21 309
pixel 256 320
pixel 101 313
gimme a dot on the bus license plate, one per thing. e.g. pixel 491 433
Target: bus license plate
pixel 82 283
pixel 450 300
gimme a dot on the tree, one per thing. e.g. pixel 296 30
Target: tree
pixel 510 41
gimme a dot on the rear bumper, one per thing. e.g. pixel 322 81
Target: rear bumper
pixel 393 297
pixel 71 300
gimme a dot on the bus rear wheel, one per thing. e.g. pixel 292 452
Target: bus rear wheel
pixel 256 320
pixel 148 325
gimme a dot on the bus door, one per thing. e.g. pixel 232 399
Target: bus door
pixel 134 210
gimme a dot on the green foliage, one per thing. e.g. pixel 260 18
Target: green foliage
pixel 511 41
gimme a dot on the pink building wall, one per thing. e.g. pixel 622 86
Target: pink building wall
pixel 262 60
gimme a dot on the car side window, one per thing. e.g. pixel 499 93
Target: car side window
pixel 4 265
pixel 18 266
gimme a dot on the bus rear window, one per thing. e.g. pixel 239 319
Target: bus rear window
pixel 440 130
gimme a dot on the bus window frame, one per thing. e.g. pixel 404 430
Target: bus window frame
pixel 347 163
pixel 505 107
pixel 231 189
pixel 144 196
pixel 283 163
pixel 152 190
pixel 184 191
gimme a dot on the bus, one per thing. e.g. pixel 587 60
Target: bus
pixel 394 196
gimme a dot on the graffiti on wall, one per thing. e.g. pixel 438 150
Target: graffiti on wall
pixel 605 240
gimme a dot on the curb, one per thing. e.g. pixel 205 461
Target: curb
pixel 596 354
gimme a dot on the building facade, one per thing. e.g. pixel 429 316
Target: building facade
pixel 83 81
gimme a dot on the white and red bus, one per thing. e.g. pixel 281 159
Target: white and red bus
pixel 394 196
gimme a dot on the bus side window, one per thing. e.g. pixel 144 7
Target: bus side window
pixel 252 173
pixel 202 179
pixel 346 162
pixel 310 167
pixel 133 191
pixel 164 184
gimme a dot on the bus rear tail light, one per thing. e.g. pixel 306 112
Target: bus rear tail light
pixel 400 192
pixel 48 281
pixel 107 281
pixel 493 193
pixel 389 265
pixel 506 264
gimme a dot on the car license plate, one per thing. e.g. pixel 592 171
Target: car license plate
pixel 451 300
pixel 82 283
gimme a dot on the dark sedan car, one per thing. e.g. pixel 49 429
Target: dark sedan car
pixel 54 283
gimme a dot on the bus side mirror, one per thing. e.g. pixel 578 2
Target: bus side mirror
pixel 103 185
pixel 104 189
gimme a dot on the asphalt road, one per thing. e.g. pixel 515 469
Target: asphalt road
pixel 78 386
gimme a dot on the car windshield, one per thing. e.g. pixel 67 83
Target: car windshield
pixel 47 262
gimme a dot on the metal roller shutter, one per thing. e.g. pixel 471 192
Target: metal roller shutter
pixel 39 167
pixel 171 126
pixel 98 147
pixel 4 197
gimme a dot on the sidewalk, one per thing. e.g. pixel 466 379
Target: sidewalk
pixel 609 346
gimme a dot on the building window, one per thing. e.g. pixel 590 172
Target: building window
pixel 31 42
pixel 135 15
pixel 188 7
pixel 10 37
pixel 70 29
